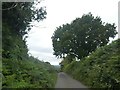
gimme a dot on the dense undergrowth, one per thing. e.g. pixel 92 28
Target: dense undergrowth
pixel 30 73
pixel 19 70
pixel 101 69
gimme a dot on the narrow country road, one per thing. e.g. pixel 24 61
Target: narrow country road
pixel 65 81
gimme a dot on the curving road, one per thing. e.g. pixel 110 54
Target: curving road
pixel 65 81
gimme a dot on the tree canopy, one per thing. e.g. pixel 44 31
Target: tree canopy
pixel 16 22
pixel 20 14
pixel 82 36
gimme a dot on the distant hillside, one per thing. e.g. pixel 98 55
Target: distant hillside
pixel 57 67
pixel 101 69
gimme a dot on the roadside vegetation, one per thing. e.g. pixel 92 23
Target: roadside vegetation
pixel 101 69
pixel 87 56
pixel 19 70
pixel 30 73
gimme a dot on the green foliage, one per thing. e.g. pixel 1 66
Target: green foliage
pixel 101 69
pixel 19 15
pixel 82 36
pixel 19 70
pixel 67 60
pixel 57 68
pixel 16 19
pixel 30 73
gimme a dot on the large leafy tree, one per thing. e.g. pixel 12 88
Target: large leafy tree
pixel 82 36
pixel 16 22
pixel 19 15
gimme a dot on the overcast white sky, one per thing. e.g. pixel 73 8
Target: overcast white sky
pixel 64 11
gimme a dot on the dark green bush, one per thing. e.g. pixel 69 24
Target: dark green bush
pixel 28 74
pixel 101 69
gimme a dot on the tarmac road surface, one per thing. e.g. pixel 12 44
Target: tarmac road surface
pixel 65 81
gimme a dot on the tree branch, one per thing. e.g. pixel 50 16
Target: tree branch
pixel 13 6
